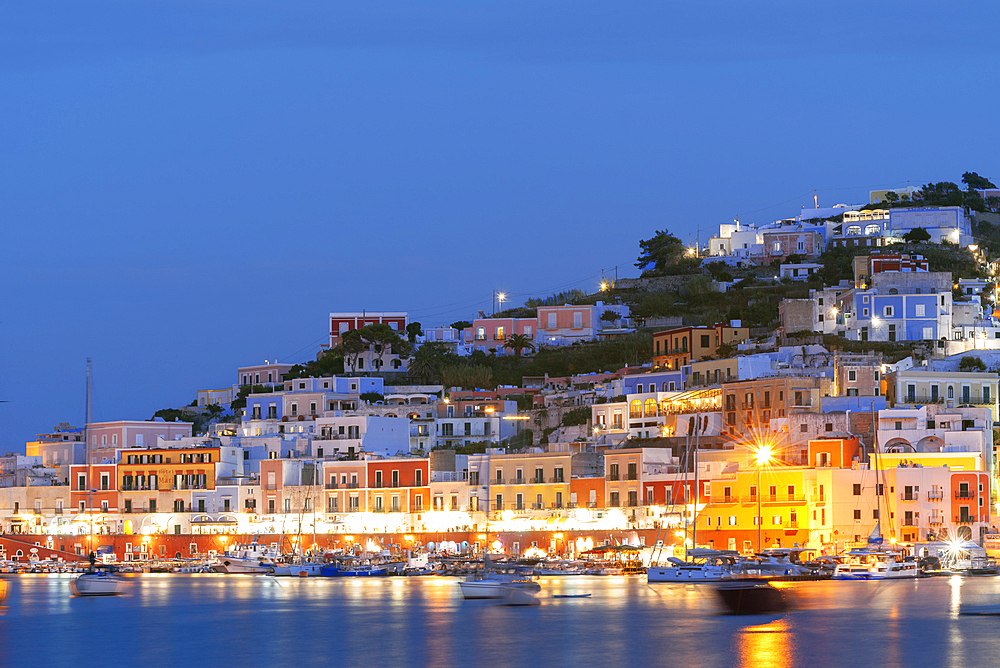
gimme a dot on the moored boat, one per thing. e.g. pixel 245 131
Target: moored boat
pixel 702 566
pixel 99 582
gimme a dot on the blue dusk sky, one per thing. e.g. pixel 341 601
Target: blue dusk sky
pixel 188 187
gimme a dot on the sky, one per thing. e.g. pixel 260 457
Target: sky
pixel 188 187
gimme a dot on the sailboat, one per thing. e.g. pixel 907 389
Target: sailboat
pixel 487 584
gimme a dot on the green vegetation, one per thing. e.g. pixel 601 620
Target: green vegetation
pixel 371 397
pixel 666 255
pixel 576 416
pixel 917 235
pixel 558 299
pixel 518 343
pixel 971 363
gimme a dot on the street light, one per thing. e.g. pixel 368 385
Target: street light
pixel 763 455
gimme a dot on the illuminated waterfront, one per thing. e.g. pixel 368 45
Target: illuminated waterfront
pixel 250 621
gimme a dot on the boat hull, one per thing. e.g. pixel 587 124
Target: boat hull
pixel 752 598
pixel 97 585
pixel 684 575
pixel 232 566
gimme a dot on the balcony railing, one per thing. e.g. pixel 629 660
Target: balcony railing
pixel 965 494
pixel 183 486
pixel 613 477
pixel 909 497
pixel 974 399
pixel 936 519
pixel 138 488
pixel 935 494
pixel 964 519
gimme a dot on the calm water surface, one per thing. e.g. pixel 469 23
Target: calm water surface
pixel 173 620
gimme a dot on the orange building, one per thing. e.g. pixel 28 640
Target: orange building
pixel 586 492
pixel 398 485
pixel 674 348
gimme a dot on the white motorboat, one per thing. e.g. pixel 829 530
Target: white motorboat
pixel 253 559
pixel 492 585
pixel 775 563
pixel 704 566
pixel 846 571
pixel 891 567
pixel 98 583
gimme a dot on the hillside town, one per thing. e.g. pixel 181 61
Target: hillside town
pixel 815 382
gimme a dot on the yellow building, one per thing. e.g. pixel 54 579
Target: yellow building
pixel 785 498
pixel 532 481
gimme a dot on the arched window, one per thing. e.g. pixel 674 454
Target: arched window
pixel 893 291
pixel 871 230
pixel 854 230
pixel 684 343
pixel 951 391
pixel 635 409
pixel 651 407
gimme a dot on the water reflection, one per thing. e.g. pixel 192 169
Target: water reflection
pixel 259 620
pixel 766 645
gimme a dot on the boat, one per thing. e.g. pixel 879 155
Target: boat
pixel 851 571
pixel 890 566
pixel 513 594
pixel 98 582
pixel 751 596
pixel 702 566
pixel 255 559
pixel 777 563
pixel 333 571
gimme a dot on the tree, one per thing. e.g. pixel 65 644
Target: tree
pixel 917 235
pixel 890 197
pixel 371 397
pixel 426 363
pixel 380 338
pixel 576 416
pixel 351 345
pixel 974 181
pixel 660 252
pixel 461 324
pixel 610 316
pixel 413 331
pixel 518 343
pixel 971 363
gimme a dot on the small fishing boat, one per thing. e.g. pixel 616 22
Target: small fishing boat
pixel 750 597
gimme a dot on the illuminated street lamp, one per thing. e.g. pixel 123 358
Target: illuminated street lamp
pixel 763 455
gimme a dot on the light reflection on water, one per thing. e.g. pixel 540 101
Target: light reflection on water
pixel 257 620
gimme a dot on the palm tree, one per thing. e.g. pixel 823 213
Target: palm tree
pixel 518 343
pixel 422 366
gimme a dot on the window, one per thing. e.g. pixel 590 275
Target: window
pixel 498 335
pixel 732 520
pixel 480 333
pixel 857 513
pixel 552 320
pixel 577 320
pixel 705 341
pixel 852 376
pixel 920 310
pixel 857 489
pixel 887 311
pixel 776 248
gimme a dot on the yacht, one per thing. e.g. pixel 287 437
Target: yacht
pixel 776 563
pixel 851 571
pixel 703 566
pixel 891 566
pixel 253 559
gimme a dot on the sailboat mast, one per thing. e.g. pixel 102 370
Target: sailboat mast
pixel 687 455
pixel 90 468
pixel 694 512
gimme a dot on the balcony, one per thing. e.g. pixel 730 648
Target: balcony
pixel 183 486
pixel 965 494
pixel 972 399
pixel 731 498
pixel 792 525
pixel 912 496
pixel 613 477
pixel 936 519
pixel 935 494
pixel 964 519
pixel 138 488
pixel 911 522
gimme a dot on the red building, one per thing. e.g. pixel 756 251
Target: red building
pixel 399 485
pixel 343 322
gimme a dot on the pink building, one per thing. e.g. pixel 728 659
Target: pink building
pixel 106 437
pixel 268 373
pixel 487 333
pixel 779 244
pixel 343 322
